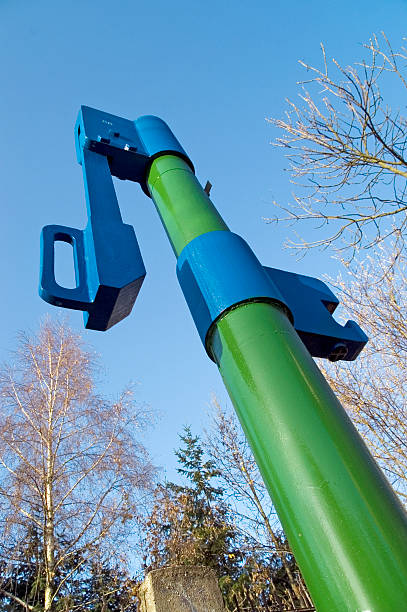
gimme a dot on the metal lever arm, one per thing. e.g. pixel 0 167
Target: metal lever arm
pixel 108 264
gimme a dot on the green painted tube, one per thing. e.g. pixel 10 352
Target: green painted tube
pixel 346 527
pixel 185 209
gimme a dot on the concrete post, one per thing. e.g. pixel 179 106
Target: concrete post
pixel 181 588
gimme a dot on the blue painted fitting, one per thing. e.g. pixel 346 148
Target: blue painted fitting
pixel 217 271
pixel 158 139
pixel 109 268
pixel 130 146
pixel 312 304
pixel 108 264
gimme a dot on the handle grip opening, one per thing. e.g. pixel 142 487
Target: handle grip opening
pixel 52 292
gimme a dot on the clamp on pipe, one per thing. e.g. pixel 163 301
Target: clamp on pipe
pixel 218 271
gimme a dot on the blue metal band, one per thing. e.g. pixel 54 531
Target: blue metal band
pixel 217 271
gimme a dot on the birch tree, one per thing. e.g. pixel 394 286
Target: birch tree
pixel 346 146
pixel 72 467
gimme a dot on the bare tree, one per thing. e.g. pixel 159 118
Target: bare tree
pixel 71 464
pixel 347 149
pixel 254 512
pixel 374 387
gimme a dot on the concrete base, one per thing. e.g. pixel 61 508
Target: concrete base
pixel 181 588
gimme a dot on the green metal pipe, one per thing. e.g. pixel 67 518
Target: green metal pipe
pixel 346 527
pixel 185 209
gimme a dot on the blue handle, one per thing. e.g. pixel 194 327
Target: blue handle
pixel 50 291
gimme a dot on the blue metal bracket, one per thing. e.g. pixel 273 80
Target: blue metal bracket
pixel 129 146
pixel 312 305
pixel 109 268
pixel 108 263
pixel 218 271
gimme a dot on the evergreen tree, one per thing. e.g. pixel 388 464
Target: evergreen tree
pixel 22 577
pixel 191 524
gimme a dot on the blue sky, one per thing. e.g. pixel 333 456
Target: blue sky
pixel 214 71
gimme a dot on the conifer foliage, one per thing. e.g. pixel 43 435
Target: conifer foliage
pixel 190 523
pixel 196 524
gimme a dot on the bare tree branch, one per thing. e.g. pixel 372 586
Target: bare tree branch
pixel 347 151
pixel 374 388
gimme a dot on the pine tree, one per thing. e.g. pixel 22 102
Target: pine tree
pixel 190 523
pixel 22 577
